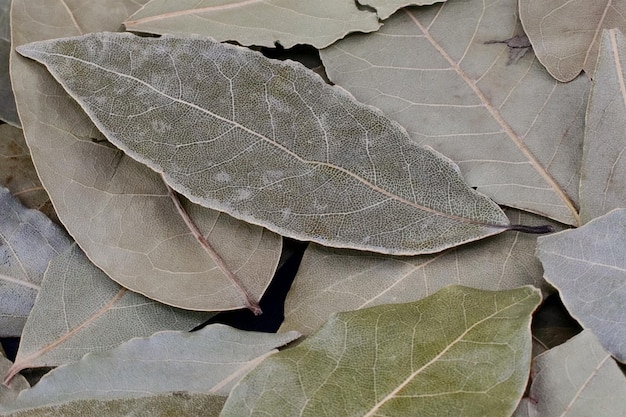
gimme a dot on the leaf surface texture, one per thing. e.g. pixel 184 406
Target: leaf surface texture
pixel 81 310
pixel 460 351
pixel 566 35
pixel 330 280
pixel 28 242
pixel 515 132
pixel 603 177
pixel 576 379
pixel 588 268
pixel 287 152
pixel 117 210
pixel 256 22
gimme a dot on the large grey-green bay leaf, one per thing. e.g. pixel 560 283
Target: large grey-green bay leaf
pixel 269 142
pixel 118 210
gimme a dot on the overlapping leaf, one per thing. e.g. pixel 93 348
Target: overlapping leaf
pixel 460 351
pixel 8 392
pixel 603 171
pixel 18 174
pixel 385 8
pixel 116 209
pixel 255 22
pixel 515 132
pixel 566 34
pixel 588 268
pixel 28 242
pixel 577 379
pixel 8 112
pixel 80 310
pixel 210 360
pixel 334 280
pixel 179 404
pixel 269 143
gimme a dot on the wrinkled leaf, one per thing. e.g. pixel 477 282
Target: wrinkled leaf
pixel 256 22
pixel 334 280
pixel 28 241
pixel 18 174
pixel 118 211
pixel 460 351
pixel 515 132
pixel 588 267
pixel 566 34
pixel 210 360
pixel 385 8
pixel 577 379
pixel 603 171
pixel 7 102
pixel 289 152
pixel 79 310
pixel 178 404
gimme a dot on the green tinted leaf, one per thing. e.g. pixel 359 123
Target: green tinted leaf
pixel 80 310
pixel 515 132
pixel 210 360
pixel 269 143
pixel 254 22
pixel 588 268
pixel 458 352
pixel 577 379
pixel 603 175
pixel 8 112
pixel 385 8
pixel 9 391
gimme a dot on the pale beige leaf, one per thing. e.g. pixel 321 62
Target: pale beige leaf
pixel 118 210
pixel 210 360
pixel 175 404
pixel 514 131
pixel 269 143
pixel 80 310
pixel 577 379
pixel 7 102
pixel 256 22
pixel 334 280
pixel 385 8
pixel 566 34
pixel 603 171
pixel 28 242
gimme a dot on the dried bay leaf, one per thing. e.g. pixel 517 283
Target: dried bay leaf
pixel 460 351
pixel 566 35
pixel 210 360
pixel 385 8
pixel 255 22
pixel 80 310
pixel 577 379
pixel 8 112
pixel 179 404
pixel 603 170
pixel 514 131
pixel 588 268
pixel 120 212
pixel 333 280
pixel 269 143
pixel 8 392
pixel 28 242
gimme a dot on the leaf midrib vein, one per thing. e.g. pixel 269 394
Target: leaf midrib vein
pixel 414 374
pixel 278 145
pixel 495 114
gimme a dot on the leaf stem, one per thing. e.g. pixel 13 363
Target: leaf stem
pixel 219 261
